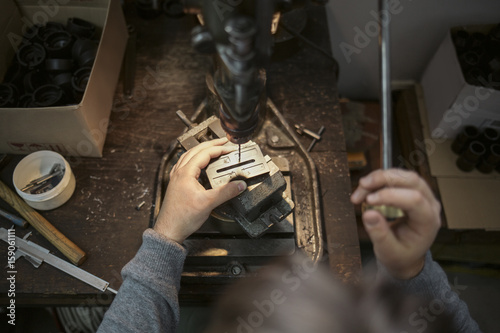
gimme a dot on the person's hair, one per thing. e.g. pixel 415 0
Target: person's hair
pixel 295 296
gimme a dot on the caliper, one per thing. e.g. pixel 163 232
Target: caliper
pixel 36 255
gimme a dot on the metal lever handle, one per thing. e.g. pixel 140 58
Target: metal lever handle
pixel 390 213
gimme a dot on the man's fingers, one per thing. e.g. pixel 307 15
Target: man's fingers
pixel 397 178
pixel 195 150
pixel 187 156
pixel 198 159
pixel 413 202
pixel 224 193
pixel 201 160
pixel 379 231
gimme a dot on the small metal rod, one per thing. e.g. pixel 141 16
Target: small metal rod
pixel 189 124
pixel 201 137
pixel 321 130
pixel 302 130
pixel 112 290
pixel 385 75
pixel 139 206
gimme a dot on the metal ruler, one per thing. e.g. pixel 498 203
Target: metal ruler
pixel 36 255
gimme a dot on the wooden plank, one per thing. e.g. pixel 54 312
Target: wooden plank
pixel 342 244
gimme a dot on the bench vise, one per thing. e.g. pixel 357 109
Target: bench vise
pixel 265 202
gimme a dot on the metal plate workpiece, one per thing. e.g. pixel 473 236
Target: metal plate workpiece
pixel 251 163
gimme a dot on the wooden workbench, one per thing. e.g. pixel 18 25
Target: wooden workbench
pixel 101 216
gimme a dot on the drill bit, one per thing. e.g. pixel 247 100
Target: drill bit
pixel 239 153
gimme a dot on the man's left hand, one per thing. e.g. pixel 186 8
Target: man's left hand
pixel 187 204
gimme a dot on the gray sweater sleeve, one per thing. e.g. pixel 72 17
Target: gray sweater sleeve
pixel 432 285
pixel 147 300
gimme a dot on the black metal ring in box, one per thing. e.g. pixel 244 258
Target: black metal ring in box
pixel 58 65
pixel 31 33
pixel 8 95
pixel 31 55
pixel 58 44
pixel 87 59
pixel 48 95
pixel 50 27
pixel 81 28
pixel 484 167
pixel 34 79
pixel 468 134
pixel 477 39
pixel 79 82
pixel 489 136
pixel 475 76
pixel 468 60
pixel 490 160
pixel 460 39
pixel 15 74
pixel 465 165
pixel 493 154
pixel 474 151
pixel 84 52
pixel 63 80
pixel 468 160
pixel 26 101
pixel 80 45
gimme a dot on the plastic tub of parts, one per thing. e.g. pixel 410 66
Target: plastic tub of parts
pixel 44 180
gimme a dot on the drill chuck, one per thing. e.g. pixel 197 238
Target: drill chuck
pixel 238 132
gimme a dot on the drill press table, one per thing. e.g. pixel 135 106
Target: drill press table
pixel 101 217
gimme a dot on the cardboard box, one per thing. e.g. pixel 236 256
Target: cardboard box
pixel 76 130
pixel 469 199
pixel 451 102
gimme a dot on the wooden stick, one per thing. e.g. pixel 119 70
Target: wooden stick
pixel 63 244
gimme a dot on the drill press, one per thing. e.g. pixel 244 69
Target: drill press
pixel 245 233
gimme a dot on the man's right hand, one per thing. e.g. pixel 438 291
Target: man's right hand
pixel 400 246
